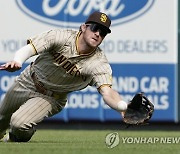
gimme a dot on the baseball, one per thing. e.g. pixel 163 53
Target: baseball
pixel 122 106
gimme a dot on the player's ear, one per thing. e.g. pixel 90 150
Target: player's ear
pixel 83 27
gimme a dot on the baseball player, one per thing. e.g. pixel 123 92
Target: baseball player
pixel 67 61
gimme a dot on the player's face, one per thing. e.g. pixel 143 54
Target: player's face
pixel 94 34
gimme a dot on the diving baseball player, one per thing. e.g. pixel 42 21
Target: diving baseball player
pixel 67 61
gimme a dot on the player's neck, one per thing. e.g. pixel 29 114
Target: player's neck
pixel 83 47
pixel 85 50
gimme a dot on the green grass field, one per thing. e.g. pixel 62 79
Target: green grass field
pixel 90 142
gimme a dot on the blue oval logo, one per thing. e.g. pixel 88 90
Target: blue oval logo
pixel 72 13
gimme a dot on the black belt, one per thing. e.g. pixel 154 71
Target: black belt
pixel 39 85
pixel 41 89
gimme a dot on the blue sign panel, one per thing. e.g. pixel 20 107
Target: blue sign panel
pixel 157 81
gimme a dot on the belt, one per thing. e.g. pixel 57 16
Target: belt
pixel 41 89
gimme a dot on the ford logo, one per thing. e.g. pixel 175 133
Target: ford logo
pixel 72 13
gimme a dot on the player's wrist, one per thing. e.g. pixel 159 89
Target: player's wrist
pixel 23 54
pixel 122 106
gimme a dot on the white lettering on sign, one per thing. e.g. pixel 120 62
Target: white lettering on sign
pixel 83 101
pixel 130 84
pixel 6 82
pixel 146 84
pixel 90 98
pixel 160 102
pixel 154 84
pixel 83 6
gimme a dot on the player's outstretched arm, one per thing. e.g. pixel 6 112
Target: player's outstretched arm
pixel 20 57
pixel 113 99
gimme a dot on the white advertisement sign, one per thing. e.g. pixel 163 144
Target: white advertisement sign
pixel 144 34
pixel 142 48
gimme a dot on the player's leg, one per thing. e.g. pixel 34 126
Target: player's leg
pixel 14 97
pixel 29 115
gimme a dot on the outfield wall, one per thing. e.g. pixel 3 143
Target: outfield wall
pixel 142 50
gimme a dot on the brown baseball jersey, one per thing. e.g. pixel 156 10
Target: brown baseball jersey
pixel 60 67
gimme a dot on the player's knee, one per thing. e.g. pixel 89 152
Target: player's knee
pixel 20 131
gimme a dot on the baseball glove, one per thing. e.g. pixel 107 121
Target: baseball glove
pixel 139 110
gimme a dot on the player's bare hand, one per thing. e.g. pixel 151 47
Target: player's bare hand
pixel 11 66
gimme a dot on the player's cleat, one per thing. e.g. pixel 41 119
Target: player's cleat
pixel 2 135
pixel 6 138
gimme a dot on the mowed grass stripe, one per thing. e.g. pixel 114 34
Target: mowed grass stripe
pixel 90 142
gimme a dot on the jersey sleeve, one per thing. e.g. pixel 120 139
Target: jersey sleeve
pixel 101 75
pixel 44 41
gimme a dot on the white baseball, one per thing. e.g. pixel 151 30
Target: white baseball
pixel 122 106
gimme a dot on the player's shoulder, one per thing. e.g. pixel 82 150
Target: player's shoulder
pixel 99 57
pixel 100 53
pixel 65 31
pixel 99 60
